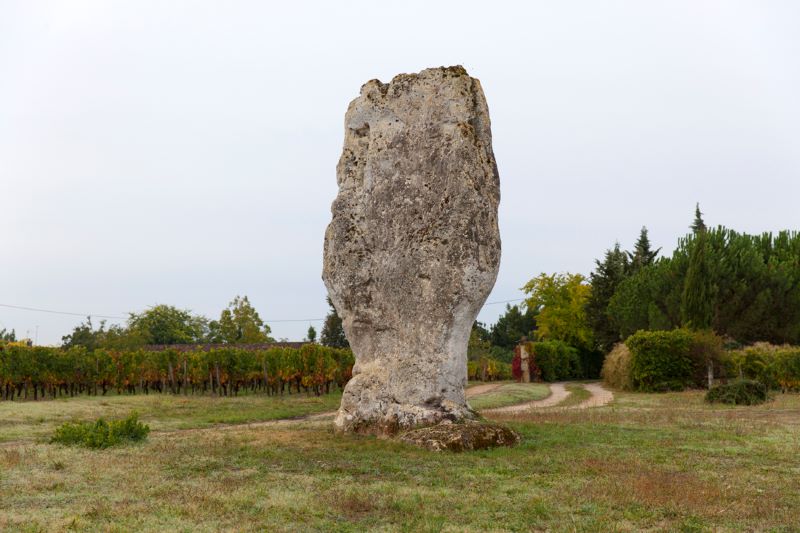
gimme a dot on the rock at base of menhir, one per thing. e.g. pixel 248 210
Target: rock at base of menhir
pixel 465 436
pixel 413 248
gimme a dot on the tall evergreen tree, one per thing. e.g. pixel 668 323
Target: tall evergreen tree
pixel 696 303
pixel 698 225
pixel 332 330
pixel 642 255
pixel 512 326
pixel 604 280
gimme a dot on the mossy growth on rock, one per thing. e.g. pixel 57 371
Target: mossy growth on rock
pixel 460 437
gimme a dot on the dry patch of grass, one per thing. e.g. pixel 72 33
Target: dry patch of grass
pixel 657 462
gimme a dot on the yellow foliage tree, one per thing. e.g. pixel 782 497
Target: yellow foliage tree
pixel 561 303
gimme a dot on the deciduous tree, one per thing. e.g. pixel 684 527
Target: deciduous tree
pixel 561 303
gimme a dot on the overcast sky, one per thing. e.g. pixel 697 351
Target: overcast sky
pixel 185 152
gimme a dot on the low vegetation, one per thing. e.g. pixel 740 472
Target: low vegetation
pixel 101 434
pixel 679 359
pixel 488 369
pixel 739 392
pixel 616 371
pixel 36 421
pixel 659 462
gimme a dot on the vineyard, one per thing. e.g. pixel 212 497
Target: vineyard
pixel 41 372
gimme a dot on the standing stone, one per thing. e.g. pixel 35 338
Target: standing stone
pixel 413 249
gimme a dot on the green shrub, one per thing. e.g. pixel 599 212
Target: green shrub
pixel 661 360
pixel 556 360
pixel 101 434
pixel 739 392
pixel 616 370
pixel 778 367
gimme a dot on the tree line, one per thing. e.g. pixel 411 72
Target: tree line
pixel 743 288
pixel 238 324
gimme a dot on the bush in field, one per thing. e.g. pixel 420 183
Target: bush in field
pixel 556 360
pixel 739 392
pixel 673 360
pixel 778 367
pixel 617 368
pixel 661 360
pixel 101 434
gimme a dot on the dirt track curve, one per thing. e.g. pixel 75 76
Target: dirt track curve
pixel 600 396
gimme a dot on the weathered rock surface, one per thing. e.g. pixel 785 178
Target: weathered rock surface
pixel 413 248
pixel 466 436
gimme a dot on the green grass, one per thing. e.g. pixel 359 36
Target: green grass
pixel 37 420
pixel 578 395
pixel 510 394
pixel 665 462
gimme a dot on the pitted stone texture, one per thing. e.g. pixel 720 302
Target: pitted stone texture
pixel 467 436
pixel 413 248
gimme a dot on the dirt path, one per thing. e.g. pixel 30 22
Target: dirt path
pixel 477 390
pixel 600 396
pixel 558 393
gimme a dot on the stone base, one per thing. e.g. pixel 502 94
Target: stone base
pixel 389 419
pixel 460 437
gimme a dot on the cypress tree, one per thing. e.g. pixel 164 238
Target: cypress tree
pixel 696 301
pixel 605 279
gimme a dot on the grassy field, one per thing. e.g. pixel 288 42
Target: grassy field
pixel 37 420
pixel 510 394
pixel 656 462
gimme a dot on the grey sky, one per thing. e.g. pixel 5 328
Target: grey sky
pixel 184 152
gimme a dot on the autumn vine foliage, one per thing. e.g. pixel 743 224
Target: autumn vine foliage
pixel 41 372
pixel 516 364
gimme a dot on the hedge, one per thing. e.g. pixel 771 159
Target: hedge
pixel 677 359
pixel 550 361
pixel 664 360
pixel 777 367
